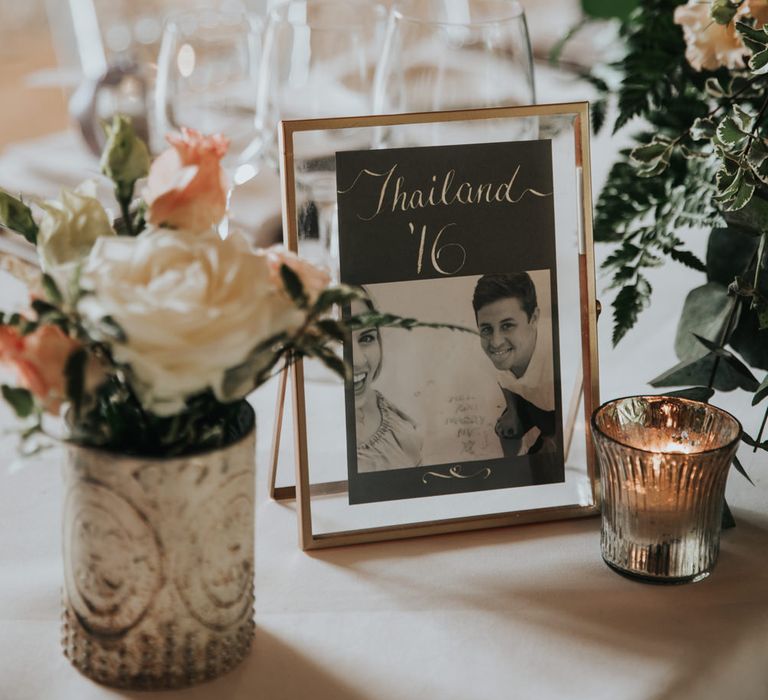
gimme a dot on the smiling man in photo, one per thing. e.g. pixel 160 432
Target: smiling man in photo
pixel 507 315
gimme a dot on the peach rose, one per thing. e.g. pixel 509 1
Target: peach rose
pixel 709 45
pixel 187 188
pixel 39 359
pixel 314 279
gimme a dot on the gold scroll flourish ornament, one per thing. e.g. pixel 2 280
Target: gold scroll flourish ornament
pixel 455 472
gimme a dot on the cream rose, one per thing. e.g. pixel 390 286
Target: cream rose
pixel 191 307
pixel 70 226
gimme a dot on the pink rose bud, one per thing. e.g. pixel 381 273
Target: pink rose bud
pixel 187 188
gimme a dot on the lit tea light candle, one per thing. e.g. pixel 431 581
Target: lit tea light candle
pixel 663 466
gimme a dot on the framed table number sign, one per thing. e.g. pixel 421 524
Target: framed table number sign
pixel 477 225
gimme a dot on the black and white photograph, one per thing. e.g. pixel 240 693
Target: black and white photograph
pixel 447 236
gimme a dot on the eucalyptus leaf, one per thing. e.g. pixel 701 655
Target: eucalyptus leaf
pixel 729 251
pixel 17 216
pixel 19 399
pixel 753 217
pixel 696 393
pixel 700 371
pixel 750 341
pixel 705 312
pixel 727 522
pixel 748 380
pixel 749 440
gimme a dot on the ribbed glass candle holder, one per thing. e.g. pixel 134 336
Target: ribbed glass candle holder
pixel 663 467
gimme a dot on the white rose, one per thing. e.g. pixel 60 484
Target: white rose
pixel 70 226
pixel 192 307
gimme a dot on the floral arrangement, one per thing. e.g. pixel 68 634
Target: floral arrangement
pixel 147 333
pixel 694 80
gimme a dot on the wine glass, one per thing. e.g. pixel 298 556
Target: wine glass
pixel 206 80
pixel 454 54
pixel 318 61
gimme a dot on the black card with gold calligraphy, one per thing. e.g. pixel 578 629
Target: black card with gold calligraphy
pixel 465 236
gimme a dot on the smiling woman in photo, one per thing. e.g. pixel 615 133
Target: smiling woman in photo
pixel 507 314
pixel 386 437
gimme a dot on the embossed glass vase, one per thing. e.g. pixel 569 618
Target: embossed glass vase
pixel 663 467
pixel 158 564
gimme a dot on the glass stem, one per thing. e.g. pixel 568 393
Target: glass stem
pixel 328 231
pixel 223 227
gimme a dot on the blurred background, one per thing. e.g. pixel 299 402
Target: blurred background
pixel 50 46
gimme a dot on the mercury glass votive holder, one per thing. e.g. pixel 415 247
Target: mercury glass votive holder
pixel 663 466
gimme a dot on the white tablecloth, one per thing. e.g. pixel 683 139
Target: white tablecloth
pixel 526 612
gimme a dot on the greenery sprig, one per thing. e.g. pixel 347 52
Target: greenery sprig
pixel 700 161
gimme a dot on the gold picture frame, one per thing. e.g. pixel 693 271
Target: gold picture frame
pixel 566 128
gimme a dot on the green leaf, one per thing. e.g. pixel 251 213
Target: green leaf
pixel 729 251
pixel 608 9
pixel 112 329
pixel 728 522
pixel 331 360
pixel 42 308
pixel 729 134
pixel 696 393
pixel 687 258
pixel 713 89
pixel 650 152
pixel 125 158
pixel 598 112
pixel 753 217
pixel 20 400
pixel 17 216
pixel 627 305
pixel 334 329
pixel 742 196
pixel 340 294
pixel 711 345
pixel 51 289
pixel 705 312
pixel 74 372
pixel 702 128
pixel 759 63
pixel 745 120
pixel 749 341
pixel 755 39
pixel 761 392
pixel 700 371
pixel 747 439
pixel 294 286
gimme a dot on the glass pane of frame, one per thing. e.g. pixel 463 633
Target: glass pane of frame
pixel 475 219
